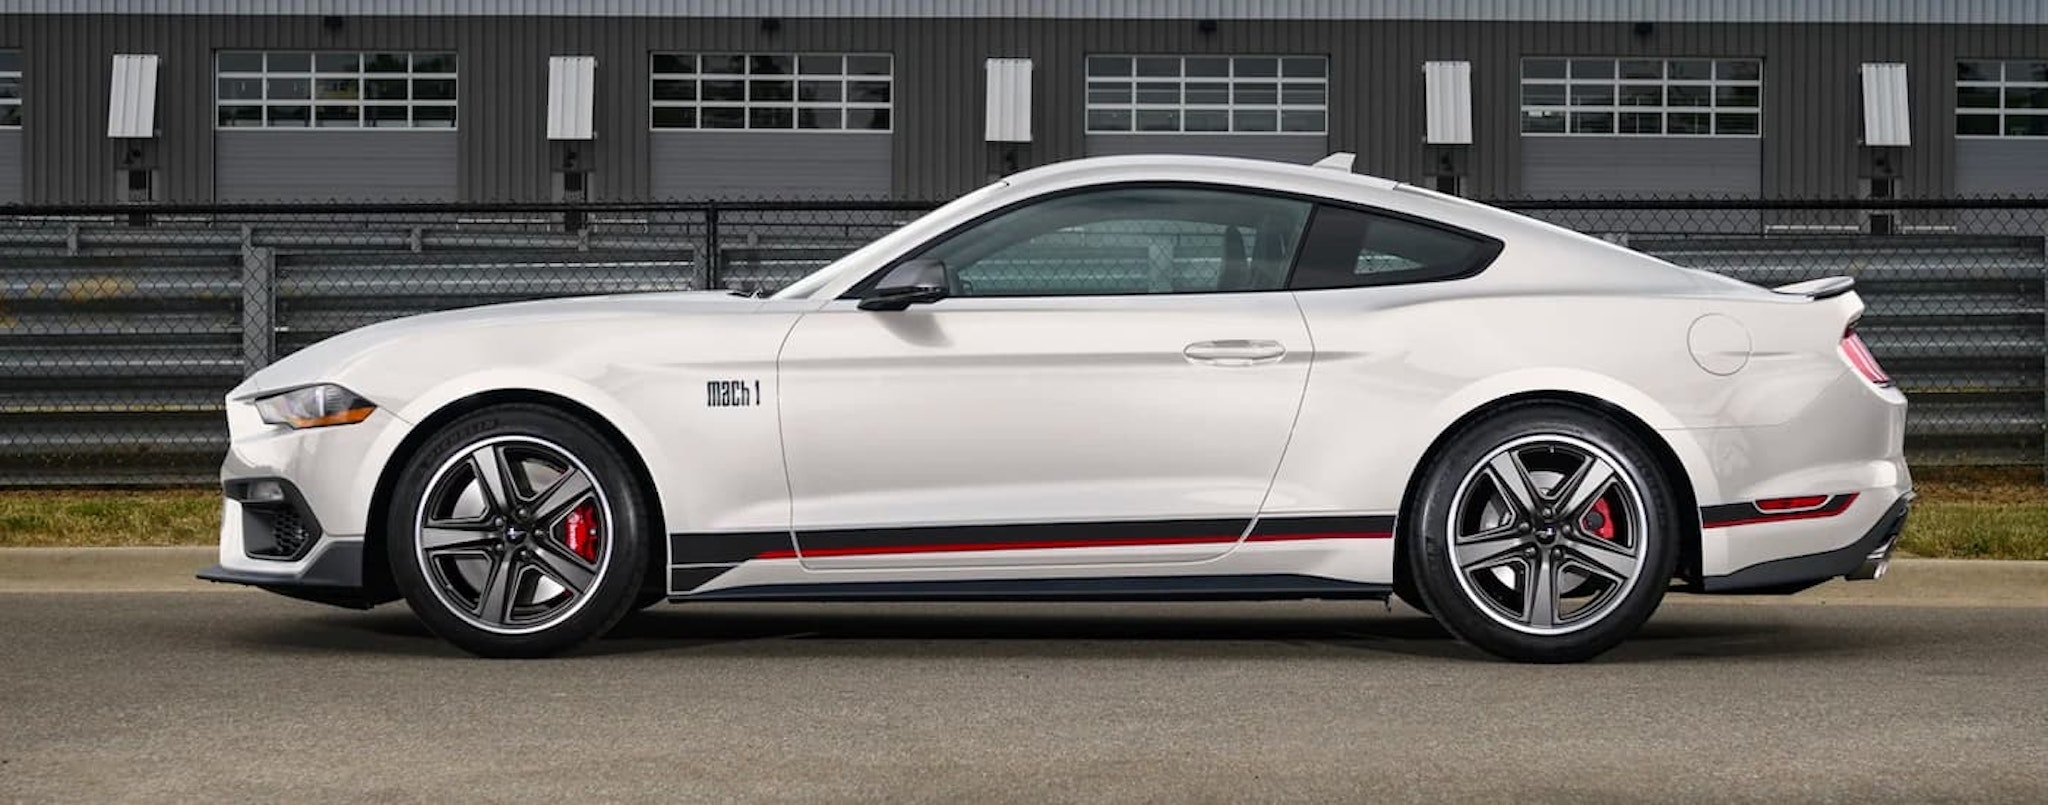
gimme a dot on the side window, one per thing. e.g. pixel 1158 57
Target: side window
pixel 1347 248
pixel 1135 240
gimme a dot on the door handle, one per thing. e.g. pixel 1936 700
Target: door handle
pixel 1234 352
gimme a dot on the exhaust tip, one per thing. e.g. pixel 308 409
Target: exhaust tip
pixel 1871 571
pixel 1874 566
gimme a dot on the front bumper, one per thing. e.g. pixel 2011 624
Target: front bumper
pixel 1862 559
pixel 329 477
pixel 332 575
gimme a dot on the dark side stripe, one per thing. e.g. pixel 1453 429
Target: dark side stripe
pixel 687 549
pixel 1748 513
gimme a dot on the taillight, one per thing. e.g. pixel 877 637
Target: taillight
pixel 1859 356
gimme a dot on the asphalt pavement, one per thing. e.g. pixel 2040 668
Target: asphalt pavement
pixel 240 696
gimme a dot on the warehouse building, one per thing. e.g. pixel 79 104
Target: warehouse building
pixel 625 100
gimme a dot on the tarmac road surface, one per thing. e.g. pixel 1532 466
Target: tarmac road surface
pixel 245 696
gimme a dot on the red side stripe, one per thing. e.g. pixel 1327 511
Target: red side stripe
pixel 1054 544
pixel 1322 535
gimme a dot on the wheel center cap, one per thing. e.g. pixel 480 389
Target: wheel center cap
pixel 515 535
pixel 1546 533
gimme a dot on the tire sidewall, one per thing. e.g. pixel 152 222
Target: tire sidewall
pixel 1435 575
pixel 622 580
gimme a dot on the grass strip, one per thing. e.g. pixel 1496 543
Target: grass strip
pixel 1963 512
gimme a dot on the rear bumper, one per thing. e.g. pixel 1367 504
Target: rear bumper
pixel 1862 559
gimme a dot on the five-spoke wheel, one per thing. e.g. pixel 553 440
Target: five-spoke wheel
pixel 512 533
pixel 521 535
pixel 1543 533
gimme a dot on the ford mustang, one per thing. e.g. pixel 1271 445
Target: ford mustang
pixel 1130 378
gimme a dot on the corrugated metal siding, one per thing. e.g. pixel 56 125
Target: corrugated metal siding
pixel 1303 148
pixel 335 166
pixel 1905 11
pixel 2001 167
pixel 773 165
pixel 10 166
pixel 1811 108
pixel 1567 167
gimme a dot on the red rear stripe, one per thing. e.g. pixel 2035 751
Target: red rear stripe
pixel 1788 504
pixel 1840 504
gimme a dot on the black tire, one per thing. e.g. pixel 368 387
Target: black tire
pixel 1404 589
pixel 527 441
pixel 1496 600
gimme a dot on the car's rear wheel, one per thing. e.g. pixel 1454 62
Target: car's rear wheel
pixel 1545 533
pixel 518 532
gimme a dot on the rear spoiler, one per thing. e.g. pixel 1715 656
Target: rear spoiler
pixel 1823 288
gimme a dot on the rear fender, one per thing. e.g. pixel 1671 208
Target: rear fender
pixel 1565 383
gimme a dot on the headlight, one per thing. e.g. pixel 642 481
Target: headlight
pixel 314 407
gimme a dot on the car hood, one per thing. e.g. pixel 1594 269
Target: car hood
pixel 331 358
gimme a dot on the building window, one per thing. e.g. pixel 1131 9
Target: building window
pixel 299 89
pixel 1642 97
pixel 1208 94
pixel 773 91
pixel 2002 98
pixel 10 89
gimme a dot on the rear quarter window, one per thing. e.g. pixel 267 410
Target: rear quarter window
pixel 1348 248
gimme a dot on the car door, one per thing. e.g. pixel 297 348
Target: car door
pixel 1113 378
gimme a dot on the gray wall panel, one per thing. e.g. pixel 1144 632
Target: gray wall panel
pixel 10 167
pixel 1624 11
pixel 1811 104
pixel 1282 147
pixel 2002 167
pixel 335 166
pixel 770 165
pixel 1565 167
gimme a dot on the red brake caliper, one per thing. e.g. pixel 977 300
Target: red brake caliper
pixel 1599 522
pixel 582 531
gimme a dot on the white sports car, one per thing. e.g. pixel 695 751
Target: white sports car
pixel 1125 378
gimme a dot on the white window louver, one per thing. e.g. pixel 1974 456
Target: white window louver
pixel 1009 101
pixel 1885 118
pixel 571 105
pixel 131 104
pixel 1447 87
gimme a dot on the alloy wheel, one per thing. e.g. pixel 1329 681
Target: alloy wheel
pixel 513 534
pixel 1547 534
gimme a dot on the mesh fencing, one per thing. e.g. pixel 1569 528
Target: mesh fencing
pixel 121 330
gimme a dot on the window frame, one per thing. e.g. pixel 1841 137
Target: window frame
pixel 2000 112
pixel 794 104
pixel 861 289
pixel 1615 82
pixel 1279 107
pixel 313 75
pixel 15 75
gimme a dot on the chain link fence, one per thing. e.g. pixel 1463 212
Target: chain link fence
pixel 121 329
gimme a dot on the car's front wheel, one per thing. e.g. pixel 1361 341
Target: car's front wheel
pixel 518 531
pixel 1545 533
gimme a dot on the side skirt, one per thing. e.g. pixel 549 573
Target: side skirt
pixel 1276 587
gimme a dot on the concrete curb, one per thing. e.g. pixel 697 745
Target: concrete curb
pixel 1911 582
pixel 110 570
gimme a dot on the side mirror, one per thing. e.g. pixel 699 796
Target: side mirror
pixel 916 282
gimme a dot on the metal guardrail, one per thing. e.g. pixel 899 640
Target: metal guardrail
pixel 120 328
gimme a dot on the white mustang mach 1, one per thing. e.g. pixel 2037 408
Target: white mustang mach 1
pixel 1129 378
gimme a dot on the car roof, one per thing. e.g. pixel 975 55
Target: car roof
pixel 1178 166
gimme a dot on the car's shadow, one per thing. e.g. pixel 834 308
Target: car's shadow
pixel 1069 631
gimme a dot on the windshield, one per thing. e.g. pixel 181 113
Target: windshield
pixel 811 282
